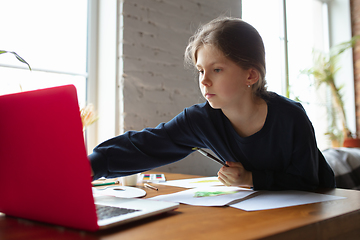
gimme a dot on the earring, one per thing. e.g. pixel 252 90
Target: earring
pixel 248 85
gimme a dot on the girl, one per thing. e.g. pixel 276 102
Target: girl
pixel 267 140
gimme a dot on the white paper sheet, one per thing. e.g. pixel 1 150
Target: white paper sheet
pixel 207 196
pixel 194 182
pixel 279 199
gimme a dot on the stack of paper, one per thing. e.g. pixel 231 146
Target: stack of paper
pixel 211 192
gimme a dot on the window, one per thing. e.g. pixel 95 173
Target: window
pixel 291 30
pixel 52 37
pixel 65 42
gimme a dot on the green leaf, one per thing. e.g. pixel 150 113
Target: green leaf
pixel 17 57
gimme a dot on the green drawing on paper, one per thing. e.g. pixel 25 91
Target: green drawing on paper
pixel 212 194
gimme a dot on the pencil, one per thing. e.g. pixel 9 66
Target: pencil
pixel 104 183
pixel 151 187
pixel 206 154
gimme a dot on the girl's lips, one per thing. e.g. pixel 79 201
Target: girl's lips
pixel 209 95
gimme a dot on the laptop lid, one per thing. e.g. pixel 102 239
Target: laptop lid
pixel 44 170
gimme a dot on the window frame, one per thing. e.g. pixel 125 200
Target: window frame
pixel 104 89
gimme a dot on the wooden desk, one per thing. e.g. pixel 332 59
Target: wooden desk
pixel 338 219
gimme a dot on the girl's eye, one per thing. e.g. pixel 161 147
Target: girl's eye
pixel 217 70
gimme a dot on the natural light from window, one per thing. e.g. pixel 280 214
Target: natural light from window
pixel 304 33
pixel 52 37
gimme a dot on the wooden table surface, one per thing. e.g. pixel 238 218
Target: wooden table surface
pixel 337 219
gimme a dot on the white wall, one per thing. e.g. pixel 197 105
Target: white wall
pixel 155 84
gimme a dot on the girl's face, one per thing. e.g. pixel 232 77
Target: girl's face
pixel 222 82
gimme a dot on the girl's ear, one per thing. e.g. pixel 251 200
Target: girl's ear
pixel 253 76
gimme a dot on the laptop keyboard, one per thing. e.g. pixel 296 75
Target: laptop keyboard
pixel 104 212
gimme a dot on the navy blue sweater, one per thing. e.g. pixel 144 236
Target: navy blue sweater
pixel 282 155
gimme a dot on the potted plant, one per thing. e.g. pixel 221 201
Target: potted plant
pixel 324 69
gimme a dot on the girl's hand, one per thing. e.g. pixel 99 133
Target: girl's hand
pixel 235 175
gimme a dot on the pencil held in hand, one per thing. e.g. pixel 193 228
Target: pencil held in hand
pixel 206 154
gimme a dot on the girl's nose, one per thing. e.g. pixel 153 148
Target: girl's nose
pixel 205 80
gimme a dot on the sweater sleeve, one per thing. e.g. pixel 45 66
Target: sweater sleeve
pixel 138 151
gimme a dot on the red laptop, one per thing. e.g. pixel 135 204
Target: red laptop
pixel 44 169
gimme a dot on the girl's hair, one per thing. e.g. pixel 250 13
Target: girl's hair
pixel 238 40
